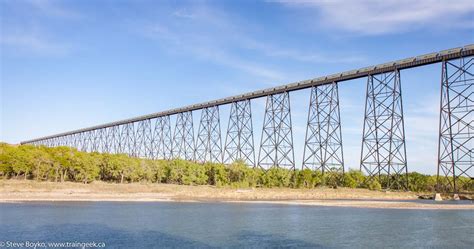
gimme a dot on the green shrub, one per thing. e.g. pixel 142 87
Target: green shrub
pixel 175 171
pixel 374 184
pixel 304 179
pixel 217 174
pixel 240 175
pixel 318 178
pixel 277 177
pixel 333 179
pixel 354 179
pixel 153 170
pixel 194 174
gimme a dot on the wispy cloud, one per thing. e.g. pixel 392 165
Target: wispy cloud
pixel 201 47
pixel 32 35
pixel 371 17
pixel 54 9
pixel 215 35
pixel 33 43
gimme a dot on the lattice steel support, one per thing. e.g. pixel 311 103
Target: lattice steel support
pixel 208 142
pixel 239 144
pixel 162 139
pixel 456 128
pixel 113 136
pixel 127 140
pixel 276 147
pixel 144 139
pixel 323 143
pixel 183 139
pixel 383 153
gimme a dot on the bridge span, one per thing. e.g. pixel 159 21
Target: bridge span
pixel 383 151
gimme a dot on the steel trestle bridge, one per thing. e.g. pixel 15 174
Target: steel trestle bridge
pixel 383 152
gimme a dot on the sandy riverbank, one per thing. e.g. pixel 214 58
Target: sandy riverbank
pixel 22 191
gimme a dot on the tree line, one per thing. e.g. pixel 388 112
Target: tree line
pixel 62 163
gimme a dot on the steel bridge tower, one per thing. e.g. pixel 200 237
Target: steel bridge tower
pixel 239 144
pixel 383 154
pixel 456 126
pixel 162 139
pixel 183 139
pixel 276 147
pixel 208 146
pixel 323 143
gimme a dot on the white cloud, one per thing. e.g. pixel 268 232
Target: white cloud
pixel 273 50
pixel 202 47
pixel 379 17
pixel 29 34
pixel 221 37
pixel 53 8
pixel 33 42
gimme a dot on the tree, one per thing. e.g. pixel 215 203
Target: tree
pixel 240 175
pixel 42 162
pixel 153 170
pixel 85 167
pixel 305 179
pixel 21 161
pixel 217 174
pixel 124 168
pixel 354 178
pixel 63 159
pixel 194 174
pixel 6 153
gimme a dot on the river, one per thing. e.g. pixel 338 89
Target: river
pixel 231 225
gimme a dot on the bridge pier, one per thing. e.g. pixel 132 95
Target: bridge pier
pixel 208 144
pixel 239 144
pixel 86 141
pixel 162 139
pixel 127 139
pixel 323 143
pixel 276 147
pixel 456 125
pixel 383 153
pixel 144 139
pixel 183 138
pixel 113 137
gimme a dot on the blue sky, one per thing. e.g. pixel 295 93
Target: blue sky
pixel 72 64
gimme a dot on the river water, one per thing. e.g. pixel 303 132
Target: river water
pixel 214 225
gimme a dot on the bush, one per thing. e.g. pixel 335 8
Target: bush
pixel 277 177
pixel 374 184
pixel 240 175
pixel 333 179
pixel 217 174
pixel 175 171
pixel 354 179
pixel 194 174
pixel 304 179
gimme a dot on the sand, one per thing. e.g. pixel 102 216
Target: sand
pixel 29 190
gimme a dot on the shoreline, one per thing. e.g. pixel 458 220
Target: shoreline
pixel 320 203
pixel 25 191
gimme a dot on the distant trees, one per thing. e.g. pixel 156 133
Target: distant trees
pixel 68 164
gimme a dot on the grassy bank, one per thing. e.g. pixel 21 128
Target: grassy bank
pixel 20 189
